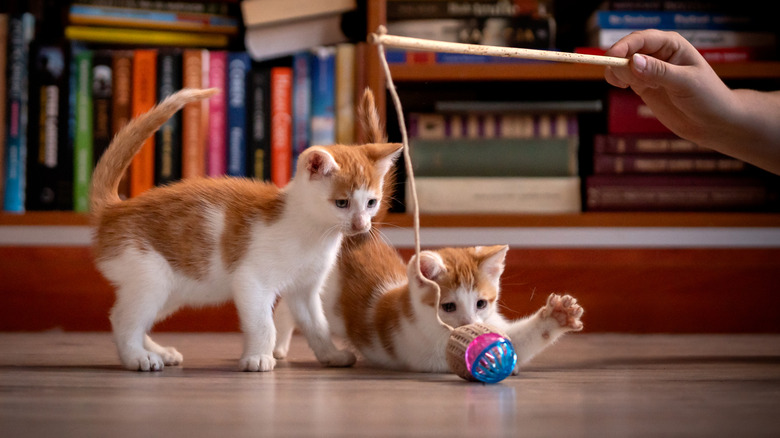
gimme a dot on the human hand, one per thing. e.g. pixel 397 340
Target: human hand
pixel 674 80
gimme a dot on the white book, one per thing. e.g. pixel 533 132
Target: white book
pixel 700 38
pixel 276 40
pixel 533 195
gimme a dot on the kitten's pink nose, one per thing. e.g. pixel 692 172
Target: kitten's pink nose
pixel 360 224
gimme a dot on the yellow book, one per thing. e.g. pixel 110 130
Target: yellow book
pixel 113 35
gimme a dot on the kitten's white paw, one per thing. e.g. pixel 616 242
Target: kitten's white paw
pixel 171 356
pixel 565 310
pixel 280 353
pixel 145 361
pixel 257 362
pixel 339 358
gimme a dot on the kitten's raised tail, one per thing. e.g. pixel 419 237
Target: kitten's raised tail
pixel 368 115
pixel 129 140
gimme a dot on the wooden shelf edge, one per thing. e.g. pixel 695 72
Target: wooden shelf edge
pixel 45 218
pixel 545 71
pixel 590 219
pixel 618 219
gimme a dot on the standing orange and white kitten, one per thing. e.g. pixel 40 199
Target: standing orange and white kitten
pixel 205 241
pixel 379 305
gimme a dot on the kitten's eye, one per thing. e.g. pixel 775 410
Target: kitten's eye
pixel 371 203
pixel 449 307
pixel 481 304
pixel 342 203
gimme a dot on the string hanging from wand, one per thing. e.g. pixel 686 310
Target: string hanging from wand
pixel 401 42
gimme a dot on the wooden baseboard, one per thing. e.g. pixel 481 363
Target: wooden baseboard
pixel 622 290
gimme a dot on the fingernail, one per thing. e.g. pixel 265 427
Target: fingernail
pixel 639 62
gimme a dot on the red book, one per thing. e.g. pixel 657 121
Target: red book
pixel 628 114
pixel 281 125
pixel 217 138
pixel 193 141
pixel 144 98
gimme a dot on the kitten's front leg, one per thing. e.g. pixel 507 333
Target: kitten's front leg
pixel 306 307
pixel 561 314
pixel 255 309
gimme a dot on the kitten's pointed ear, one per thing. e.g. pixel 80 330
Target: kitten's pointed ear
pixel 431 265
pixel 317 162
pixel 384 155
pixel 493 260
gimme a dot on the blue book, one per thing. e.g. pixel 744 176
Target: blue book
pixel 21 29
pixel 671 20
pixel 323 96
pixel 301 103
pixel 238 71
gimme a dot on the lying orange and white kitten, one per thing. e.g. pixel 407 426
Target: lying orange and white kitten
pixel 379 305
pixel 370 301
pixel 205 241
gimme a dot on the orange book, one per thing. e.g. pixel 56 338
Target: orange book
pixel 193 135
pixel 144 97
pixel 281 125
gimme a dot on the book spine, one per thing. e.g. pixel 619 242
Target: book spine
pixel 101 101
pixel 47 96
pixel 153 19
pixel 20 34
pixel 345 93
pixel 193 142
pixel 681 193
pixel 111 35
pixel 657 163
pixel 259 112
pixel 144 97
pixel 217 120
pixel 674 20
pixel 499 195
pixel 645 144
pixel 167 161
pixel 238 71
pixel 159 5
pixel 281 125
pixel 427 9
pixel 301 103
pixel 451 158
pixel 699 38
pixel 628 114
pixel 3 96
pixel 437 126
pixel 323 106
pixel 83 147
pixel 121 102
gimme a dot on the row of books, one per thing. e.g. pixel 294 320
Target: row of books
pixel 639 165
pixel 77 98
pixel 496 162
pixel 533 162
pixel 720 35
pixel 527 24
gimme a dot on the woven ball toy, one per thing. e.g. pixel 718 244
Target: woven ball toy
pixel 480 353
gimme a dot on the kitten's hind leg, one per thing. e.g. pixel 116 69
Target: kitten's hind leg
pixel 131 318
pixel 285 325
pixel 306 307
pixel 169 355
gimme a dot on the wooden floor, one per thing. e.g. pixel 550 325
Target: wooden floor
pixel 591 385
